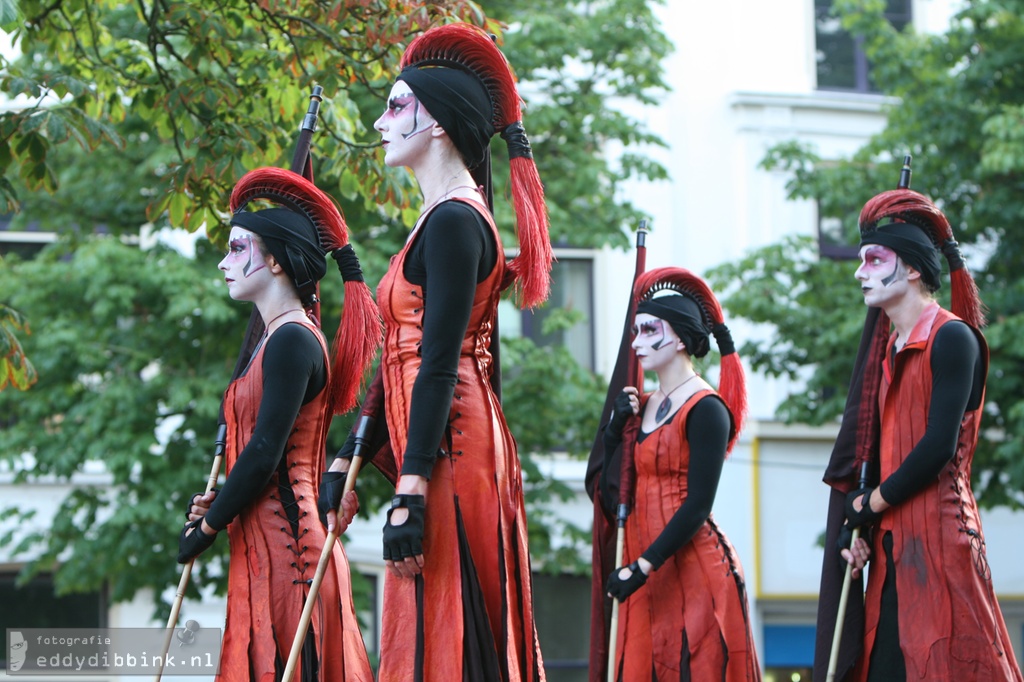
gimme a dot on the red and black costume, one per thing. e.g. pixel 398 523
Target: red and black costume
pixel 930 576
pixel 277 536
pixel 914 416
pixel 469 615
pixel 690 619
pixel 471 610
pixel 277 412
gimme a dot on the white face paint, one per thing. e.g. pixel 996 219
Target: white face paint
pixel 654 341
pixel 402 126
pixel 245 265
pixel 883 276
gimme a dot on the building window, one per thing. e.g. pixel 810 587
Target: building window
pixel 22 243
pixel 832 242
pixel 562 608
pixel 572 288
pixel 841 62
pixel 36 605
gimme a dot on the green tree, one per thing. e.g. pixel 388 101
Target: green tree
pixel 959 110
pixel 133 349
pixel 580 63
pixel 15 368
pixel 163 107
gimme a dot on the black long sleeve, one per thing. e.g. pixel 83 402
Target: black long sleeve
pixel 707 433
pixel 293 374
pixel 449 258
pixel 957 383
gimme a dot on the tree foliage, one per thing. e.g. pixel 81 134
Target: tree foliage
pixel 580 63
pixel 144 115
pixel 132 348
pixel 958 109
pixel 15 368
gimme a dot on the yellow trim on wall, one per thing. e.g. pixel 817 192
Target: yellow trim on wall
pixel 755 477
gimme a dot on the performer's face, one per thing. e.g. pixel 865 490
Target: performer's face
pixel 883 276
pixel 245 264
pixel 404 126
pixel 654 341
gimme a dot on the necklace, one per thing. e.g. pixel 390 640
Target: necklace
pixel 430 207
pixel 666 405
pixel 448 194
pixel 267 325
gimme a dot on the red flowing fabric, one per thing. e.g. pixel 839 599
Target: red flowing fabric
pixel 269 565
pixel 690 620
pixel 951 627
pixel 469 616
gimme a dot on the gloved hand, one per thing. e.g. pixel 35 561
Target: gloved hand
pixel 405 540
pixel 621 589
pixel 844 539
pixel 192 544
pixel 621 411
pixel 860 517
pixel 332 485
pixel 197 506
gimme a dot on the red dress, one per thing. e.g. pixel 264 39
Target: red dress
pixel 689 621
pixel 473 602
pixel 951 627
pixel 269 565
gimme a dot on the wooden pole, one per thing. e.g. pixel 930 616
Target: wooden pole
pixel 186 570
pixel 362 433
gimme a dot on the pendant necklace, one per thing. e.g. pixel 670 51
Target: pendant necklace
pixel 666 405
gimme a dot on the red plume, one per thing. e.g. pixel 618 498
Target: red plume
pixel 359 333
pixel 904 205
pixel 469 47
pixel 732 385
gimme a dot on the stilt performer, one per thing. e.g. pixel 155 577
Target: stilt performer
pixel 277 413
pixel 684 612
pixel 930 611
pixel 458 596
pixel 302 163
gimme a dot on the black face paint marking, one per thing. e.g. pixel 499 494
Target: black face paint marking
pixel 396 104
pixel 889 279
pixel 244 246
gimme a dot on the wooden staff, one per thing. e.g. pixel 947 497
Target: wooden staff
pixel 844 596
pixel 363 431
pixel 626 477
pixel 186 570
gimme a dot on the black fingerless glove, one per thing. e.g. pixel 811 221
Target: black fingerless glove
pixel 857 518
pixel 332 485
pixel 192 501
pixel 621 589
pixel 621 411
pixel 405 540
pixel 191 545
